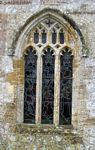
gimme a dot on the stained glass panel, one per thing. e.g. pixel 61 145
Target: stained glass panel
pixel 61 37
pixel 44 37
pixel 66 87
pixel 48 87
pixel 30 87
pixel 36 37
pixel 54 36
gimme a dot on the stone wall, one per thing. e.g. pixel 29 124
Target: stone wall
pixel 14 136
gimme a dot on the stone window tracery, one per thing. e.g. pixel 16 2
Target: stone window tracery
pixel 50 60
pixel 48 32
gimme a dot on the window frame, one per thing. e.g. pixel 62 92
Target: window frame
pixel 20 89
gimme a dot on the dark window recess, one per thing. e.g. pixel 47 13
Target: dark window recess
pixel 66 88
pixel 30 87
pixel 61 37
pixel 48 87
pixel 54 36
pixel 36 37
pixel 43 37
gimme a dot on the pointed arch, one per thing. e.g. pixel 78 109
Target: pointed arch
pixel 28 49
pixel 46 48
pixel 67 22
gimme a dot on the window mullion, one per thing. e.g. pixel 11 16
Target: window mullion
pixel 39 89
pixel 57 90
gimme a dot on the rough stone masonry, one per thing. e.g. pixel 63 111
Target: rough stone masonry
pixel 15 15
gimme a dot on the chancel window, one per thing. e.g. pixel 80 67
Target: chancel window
pixel 47 52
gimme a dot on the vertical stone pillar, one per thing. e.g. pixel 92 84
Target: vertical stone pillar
pixel 39 89
pixel 57 90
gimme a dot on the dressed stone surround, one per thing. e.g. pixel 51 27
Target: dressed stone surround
pixel 17 21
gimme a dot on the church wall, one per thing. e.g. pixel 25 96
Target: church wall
pixel 15 136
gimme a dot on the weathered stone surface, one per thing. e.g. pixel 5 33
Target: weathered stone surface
pixel 14 136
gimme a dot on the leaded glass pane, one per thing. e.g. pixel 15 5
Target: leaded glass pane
pixel 36 37
pixel 66 88
pixel 48 87
pixel 54 36
pixel 61 37
pixel 30 87
pixel 44 37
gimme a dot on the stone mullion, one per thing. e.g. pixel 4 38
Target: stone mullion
pixel 48 37
pixel 39 89
pixel 66 38
pixel 57 90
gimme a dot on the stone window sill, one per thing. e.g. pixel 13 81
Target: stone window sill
pixel 67 131
pixel 33 128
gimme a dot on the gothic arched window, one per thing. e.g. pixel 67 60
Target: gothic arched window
pixel 48 75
